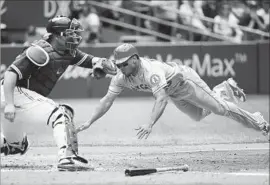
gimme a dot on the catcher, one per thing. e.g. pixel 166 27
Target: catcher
pixel 181 84
pixel 30 79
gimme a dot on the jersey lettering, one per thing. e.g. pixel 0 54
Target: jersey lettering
pixel 142 87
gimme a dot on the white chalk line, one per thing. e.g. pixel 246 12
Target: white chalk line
pixel 263 174
pixel 217 150
pixel 249 174
pixel 254 174
pixel 196 151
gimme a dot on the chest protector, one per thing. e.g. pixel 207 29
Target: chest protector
pixel 48 68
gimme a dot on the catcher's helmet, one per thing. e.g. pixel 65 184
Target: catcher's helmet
pixel 123 52
pixel 61 25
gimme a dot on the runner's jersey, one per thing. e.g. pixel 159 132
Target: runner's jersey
pixel 152 76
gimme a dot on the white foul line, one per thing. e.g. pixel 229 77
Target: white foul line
pixel 194 172
pixel 264 174
pixel 248 174
pixel 224 150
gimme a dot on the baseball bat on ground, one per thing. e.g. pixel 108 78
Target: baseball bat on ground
pixel 145 171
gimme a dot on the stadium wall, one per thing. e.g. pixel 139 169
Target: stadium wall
pixel 248 63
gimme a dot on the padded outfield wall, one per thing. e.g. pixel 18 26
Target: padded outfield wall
pixel 248 63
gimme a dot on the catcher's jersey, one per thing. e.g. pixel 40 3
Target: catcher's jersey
pixel 152 76
pixel 39 67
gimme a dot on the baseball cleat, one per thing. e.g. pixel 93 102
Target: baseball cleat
pixel 15 148
pixel 263 124
pixel 79 158
pixel 25 145
pixel 71 164
pixel 237 91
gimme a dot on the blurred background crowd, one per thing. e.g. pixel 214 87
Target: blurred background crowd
pixel 169 21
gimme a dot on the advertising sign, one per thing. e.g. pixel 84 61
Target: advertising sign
pixel 213 63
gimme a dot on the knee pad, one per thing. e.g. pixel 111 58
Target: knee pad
pixel 60 115
pixel 15 148
pixel 69 111
pixel 64 114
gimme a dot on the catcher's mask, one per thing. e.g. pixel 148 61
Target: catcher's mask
pixel 70 29
pixel 73 37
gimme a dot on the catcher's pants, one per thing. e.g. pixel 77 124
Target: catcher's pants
pixel 197 100
pixel 31 109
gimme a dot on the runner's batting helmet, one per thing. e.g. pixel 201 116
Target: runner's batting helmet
pixel 123 52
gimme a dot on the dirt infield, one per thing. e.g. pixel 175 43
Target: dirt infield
pixel 223 164
pixel 218 150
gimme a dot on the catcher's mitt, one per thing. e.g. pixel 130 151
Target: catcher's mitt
pixel 102 67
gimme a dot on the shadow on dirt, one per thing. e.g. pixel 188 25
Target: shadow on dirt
pixel 25 167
